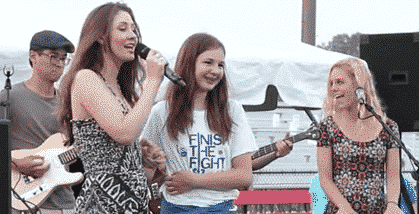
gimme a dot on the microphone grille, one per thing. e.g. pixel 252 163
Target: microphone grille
pixel 360 93
pixel 142 50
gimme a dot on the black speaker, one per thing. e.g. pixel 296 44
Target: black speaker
pixel 5 167
pixel 394 62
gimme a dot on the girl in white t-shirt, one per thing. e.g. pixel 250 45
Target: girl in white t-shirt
pixel 205 136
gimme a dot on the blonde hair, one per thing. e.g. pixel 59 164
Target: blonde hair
pixel 360 72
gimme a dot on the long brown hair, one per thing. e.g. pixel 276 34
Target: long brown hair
pixel 89 55
pixel 180 100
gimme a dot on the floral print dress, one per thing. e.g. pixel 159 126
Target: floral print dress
pixel 358 167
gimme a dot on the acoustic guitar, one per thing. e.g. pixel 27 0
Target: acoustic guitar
pixel 155 200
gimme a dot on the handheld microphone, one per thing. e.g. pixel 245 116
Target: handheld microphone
pixel 360 94
pixel 142 51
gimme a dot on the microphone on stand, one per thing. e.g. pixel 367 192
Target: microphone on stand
pixel 360 94
pixel 8 87
pixel 142 51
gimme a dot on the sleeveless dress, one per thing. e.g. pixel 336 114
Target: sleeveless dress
pixel 115 180
pixel 358 167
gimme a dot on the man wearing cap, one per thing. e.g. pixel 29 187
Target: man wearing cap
pixel 32 112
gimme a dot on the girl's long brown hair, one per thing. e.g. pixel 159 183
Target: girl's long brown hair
pixel 89 55
pixel 180 100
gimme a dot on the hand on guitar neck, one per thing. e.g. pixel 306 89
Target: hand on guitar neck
pixel 32 165
pixel 269 153
pixel 283 146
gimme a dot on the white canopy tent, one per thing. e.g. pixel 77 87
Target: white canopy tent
pixel 299 72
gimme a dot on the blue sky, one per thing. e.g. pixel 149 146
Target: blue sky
pixel 243 26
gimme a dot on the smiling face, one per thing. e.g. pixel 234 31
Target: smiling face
pixel 123 36
pixel 342 88
pixel 209 69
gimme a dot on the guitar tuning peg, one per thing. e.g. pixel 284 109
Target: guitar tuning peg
pixel 316 135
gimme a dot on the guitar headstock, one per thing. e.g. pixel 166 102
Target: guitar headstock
pixel 313 132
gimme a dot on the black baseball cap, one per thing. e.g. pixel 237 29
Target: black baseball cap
pixel 50 40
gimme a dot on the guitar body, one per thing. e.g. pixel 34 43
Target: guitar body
pixel 155 201
pixel 154 206
pixel 36 191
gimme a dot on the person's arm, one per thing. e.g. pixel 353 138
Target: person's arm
pixel 262 161
pixel 92 94
pixel 149 173
pixel 393 172
pixel 153 156
pixel 283 149
pixel 31 165
pixel 239 176
pixel 25 161
pixel 393 181
pixel 324 163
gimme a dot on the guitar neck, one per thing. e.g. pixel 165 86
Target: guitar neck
pixel 264 151
pixel 272 147
pixel 299 137
pixel 68 156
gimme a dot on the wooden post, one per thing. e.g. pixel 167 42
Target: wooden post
pixel 308 27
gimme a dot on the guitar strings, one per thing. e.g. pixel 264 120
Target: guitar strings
pixel 20 176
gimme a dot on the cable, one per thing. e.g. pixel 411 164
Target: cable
pixel 36 208
pixel 359 116
pixel 20 176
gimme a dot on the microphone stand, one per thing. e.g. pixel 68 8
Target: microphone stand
pixel 7 120
pixel 415 174
pixel 8 87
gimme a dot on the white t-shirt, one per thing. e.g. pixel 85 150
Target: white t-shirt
pixel 200 150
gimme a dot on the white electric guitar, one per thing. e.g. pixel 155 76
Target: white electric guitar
pixel 35 191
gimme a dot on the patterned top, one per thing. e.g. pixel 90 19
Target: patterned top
pixel 115 177
pixel 358 167
pixel 115 180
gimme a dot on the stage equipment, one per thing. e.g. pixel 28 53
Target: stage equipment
pixel 394 62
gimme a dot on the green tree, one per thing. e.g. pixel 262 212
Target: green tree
pixel 343 43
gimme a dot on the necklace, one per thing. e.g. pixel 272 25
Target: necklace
pixel 121 100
